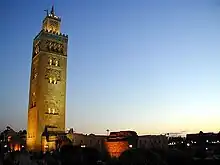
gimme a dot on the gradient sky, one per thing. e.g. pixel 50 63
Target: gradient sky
pixel 147 65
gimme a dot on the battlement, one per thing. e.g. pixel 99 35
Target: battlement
pixel 54 17
pixel 51 32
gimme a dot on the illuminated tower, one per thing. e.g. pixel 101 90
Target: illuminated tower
pixel 47 94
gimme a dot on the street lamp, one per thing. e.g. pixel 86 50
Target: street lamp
pixel 107 132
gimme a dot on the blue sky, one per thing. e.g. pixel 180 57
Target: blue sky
pixel 145 65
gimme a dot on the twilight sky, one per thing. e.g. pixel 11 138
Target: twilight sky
pixel 145 65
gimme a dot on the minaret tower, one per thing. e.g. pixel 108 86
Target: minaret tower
pixel 47 94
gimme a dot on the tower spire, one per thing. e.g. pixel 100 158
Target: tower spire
pixel 52 11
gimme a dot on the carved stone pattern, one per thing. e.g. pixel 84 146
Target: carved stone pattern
pixel 37 48
pixel 54 47
pixel 55 37
pixel 53 73
pixel 34 73
pixel 54 23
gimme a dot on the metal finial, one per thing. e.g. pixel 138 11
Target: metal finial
pixel 52 11
pixel 46 11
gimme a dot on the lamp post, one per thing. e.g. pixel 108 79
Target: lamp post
pixel 107 132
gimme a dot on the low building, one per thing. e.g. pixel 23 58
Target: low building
pixel 52 140
pixel 12 140
pixel 16 143
pixel 118 142
pixel 114 144
pixel 177 142
pixel 159 142
pixel 84 140
pixel 203 142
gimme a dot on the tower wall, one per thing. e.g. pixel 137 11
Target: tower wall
pixel 47 94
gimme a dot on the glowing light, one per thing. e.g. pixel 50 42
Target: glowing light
pixel 83 146
pixel 116 148
pixel 56 63
pixel 50 62
pixel 130 146
pixel 16 147
pixel 5 146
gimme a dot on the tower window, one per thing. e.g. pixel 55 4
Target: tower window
pixel 53 62
pixel 50 61
pixel 34 73
pixel 33 104
pixel 52 81
pixel 56 63
pixel 51 111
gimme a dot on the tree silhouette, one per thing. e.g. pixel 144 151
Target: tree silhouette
pixel 175 157
pixel 140 156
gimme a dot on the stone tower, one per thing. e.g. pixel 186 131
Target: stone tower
pixel 47 94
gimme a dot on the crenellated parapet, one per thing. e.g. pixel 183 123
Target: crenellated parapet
pixel 50 41
pixel 56 34
pixel 54 17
